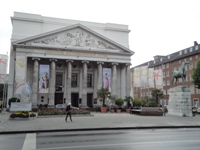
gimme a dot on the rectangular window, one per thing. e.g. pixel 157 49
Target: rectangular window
pixel 163 66
pixel 167 65
pixel 185 51
pixel 196 47
pixel 168 82
pixel 196 56
pixel 180 52
pixel 89 80
pixel 74 80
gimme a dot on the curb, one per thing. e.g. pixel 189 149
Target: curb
pixel 98 129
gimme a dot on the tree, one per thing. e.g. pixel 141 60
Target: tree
pixel 103 93
pixel 157 93
pixel 196 74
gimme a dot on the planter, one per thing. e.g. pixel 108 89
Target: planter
pixel 112 110
pixel 118 110
pixel 128 110
pixel 103 109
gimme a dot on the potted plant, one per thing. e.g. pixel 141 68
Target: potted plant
pixel 103 93
pixel 119 102
pixel 128 100
pixel 112 99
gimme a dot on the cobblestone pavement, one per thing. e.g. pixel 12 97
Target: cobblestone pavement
pixel 95 121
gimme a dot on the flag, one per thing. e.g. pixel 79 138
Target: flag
pixel 3 67
pixel 158 75
pixel 137 77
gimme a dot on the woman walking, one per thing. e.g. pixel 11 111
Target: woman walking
pixel 68 111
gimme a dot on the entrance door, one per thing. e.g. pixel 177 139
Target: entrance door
pixel 89 100
pixel 74 99
pixel 58 98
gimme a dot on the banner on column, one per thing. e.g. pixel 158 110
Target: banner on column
pixel 107 78
pixel 43 79
pixel 3 67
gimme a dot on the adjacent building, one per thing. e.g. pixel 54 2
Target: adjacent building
pixel 55 60
pixel 163 67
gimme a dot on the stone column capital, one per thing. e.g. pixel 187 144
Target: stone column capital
pixel 85 61
pixel 114 64
pixel 69 60
pixel 52 59
pixel 36 58
pixel 100 62
pixel 128 64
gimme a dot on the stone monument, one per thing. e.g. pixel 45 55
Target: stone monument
pixel 180 96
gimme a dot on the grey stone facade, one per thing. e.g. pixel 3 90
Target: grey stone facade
pixel 75 55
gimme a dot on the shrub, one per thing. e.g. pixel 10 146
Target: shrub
pixel 55 111
pixel 137 102
pixel 22 114
pixel 119 102
pixel 152 104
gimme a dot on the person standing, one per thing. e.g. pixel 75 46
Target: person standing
pixel 68 111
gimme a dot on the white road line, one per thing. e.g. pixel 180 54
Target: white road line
pixel 120 144
pixel 30 142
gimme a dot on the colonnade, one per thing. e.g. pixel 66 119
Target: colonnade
pixel 124 85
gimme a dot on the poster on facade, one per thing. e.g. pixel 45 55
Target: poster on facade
pixel 3 67
pixel 43 79
pixel 107 78
pixel 151 77
pixel 158 75
pixel 144 76
pixel 137 77
pixel 20 69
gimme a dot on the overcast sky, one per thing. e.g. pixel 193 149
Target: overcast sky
pixel 158 27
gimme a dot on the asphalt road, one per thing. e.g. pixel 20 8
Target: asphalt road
pixel 159 139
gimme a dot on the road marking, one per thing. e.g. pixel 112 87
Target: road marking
pixel 30 142
pixel 120 144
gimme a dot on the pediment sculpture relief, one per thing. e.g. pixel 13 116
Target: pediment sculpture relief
pixel 77 38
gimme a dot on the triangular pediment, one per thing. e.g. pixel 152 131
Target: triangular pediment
pixel 76 36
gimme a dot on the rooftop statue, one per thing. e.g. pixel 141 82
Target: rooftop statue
pixel 181 73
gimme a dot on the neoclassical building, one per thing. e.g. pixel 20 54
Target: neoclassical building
pixel 65 60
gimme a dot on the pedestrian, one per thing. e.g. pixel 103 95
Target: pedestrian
pixel 68 111
pixel 164 109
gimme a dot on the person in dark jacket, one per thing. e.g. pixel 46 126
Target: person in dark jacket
pixel 68 111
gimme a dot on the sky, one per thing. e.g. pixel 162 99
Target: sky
pixel 158 27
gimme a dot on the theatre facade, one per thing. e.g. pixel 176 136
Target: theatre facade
pixel 54 61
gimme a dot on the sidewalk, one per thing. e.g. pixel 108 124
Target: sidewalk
pixel 95 121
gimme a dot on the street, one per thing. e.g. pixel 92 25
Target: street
pixel 165 139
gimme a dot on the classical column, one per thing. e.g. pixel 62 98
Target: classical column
pixel 114 79
pixel 52 82
pixel 128 85
pixel 35 82
pixel 123 81
pixel 68 81
pixel 84 83
pixel 99 78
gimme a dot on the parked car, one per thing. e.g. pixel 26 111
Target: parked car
pixel 60 106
